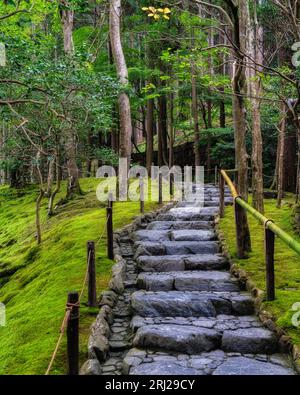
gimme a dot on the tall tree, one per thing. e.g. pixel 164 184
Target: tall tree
pixel 255 50
pixel 67 18
pixel 122 71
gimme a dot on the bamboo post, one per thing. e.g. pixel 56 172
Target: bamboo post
pixel 92 293
pixel 73 334
pixel 160 196
pixel 142 196
pixel 222 203
pixel 110 237
pixel 269 258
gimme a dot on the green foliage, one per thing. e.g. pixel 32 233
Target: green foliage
pixel 106 155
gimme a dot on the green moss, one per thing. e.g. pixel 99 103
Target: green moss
pixel 287 262
pixel 38 278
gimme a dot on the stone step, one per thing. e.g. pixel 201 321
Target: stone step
pixel 174 235
pixel 170 263
pixel 208 202
pixel 191 304
pixel 196 339
pixel 180 225
pixel 210 281
pixel 149 362
pixel 210 211
pixel 185 216
pixel 176 247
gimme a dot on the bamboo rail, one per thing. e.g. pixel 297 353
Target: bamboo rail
pixel 270 228
pixel 268 223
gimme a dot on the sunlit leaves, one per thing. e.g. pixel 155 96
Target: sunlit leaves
pixel 157 13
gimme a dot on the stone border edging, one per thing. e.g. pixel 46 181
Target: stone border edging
pixel 265 317
pixel 98 344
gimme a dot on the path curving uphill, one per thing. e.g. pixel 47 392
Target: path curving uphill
pixel 182 312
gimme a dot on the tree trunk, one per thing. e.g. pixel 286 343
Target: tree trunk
pixel 239 18
pixel 67 18
pixel 51 170
pixel 195 116
pixel 149 134
pixel 119 58
pixel 58 184
pixel 38 216
pixel 280 168
pixel 255 38
pixel 162 120
pixel 171 130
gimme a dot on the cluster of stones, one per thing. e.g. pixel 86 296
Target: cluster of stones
pixel 174 308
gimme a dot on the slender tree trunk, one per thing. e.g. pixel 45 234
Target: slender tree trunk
pixel 38 216
pixel 67 18
pixel 171 130
pixel 195 116
pixel 162 120
pixel 122 71
pixel 281 147
pixel 149 134
pixel 255 44
pixel 51 171
pixel 239 18
pixel 58 184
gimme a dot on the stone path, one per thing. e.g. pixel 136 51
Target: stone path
pixel 182 312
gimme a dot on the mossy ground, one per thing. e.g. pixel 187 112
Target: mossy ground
pixel 287 262
pixel 35 280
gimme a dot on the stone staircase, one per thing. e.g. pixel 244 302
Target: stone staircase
pixel 182 313
pixel 190 316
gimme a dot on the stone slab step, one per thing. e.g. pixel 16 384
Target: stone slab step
pixel 185 216
pixel 176 248
pixel 180 225
pixel 149 362
pixel 171 263
pixel 193 211
pixel 208 202
pixel 212 281
pixel 191 304
pixel 174 235
pixel 196 339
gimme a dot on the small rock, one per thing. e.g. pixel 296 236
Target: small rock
pixel 90 368
pixel 98 347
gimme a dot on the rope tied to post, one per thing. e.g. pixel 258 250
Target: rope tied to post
pixel 69 307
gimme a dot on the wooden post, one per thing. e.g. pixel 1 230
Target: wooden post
pixel 269 258
pixel 172 185
pixel 110 236
pixel 242 235
pixel 216 175
pixel 117 189
pixel 73 334
pixel 110 200
pixel 142 196
pixel 92 293
pixel 222 203
pixel 160 196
